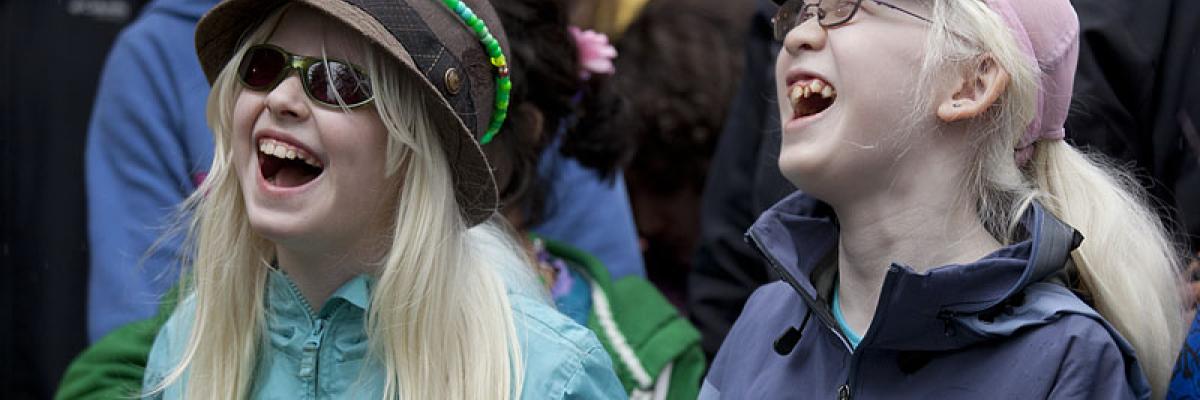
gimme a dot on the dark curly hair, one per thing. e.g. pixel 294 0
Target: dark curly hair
pixel 680 62
pixel 549 99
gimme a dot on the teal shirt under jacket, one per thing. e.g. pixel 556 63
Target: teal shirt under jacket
pixel 323 355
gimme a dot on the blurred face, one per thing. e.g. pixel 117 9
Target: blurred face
pixel 312 175
pixel 846 98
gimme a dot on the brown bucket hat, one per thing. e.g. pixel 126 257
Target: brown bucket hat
pixel 427 38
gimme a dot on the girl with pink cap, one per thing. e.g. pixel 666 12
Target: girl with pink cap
pixel 949 243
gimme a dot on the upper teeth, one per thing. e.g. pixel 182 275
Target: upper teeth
pixel 802 90
pixel 279 149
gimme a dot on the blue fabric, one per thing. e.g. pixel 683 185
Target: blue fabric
pixel 324 354
pixel 851 336
pixel 590 213
pixel 576 303
pixel 147 146
pixel 1185 383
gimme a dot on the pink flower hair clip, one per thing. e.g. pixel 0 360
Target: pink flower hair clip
pixel 595 53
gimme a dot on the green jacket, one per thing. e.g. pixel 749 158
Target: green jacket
pixel 655 352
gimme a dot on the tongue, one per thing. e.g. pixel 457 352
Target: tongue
pixel 292 175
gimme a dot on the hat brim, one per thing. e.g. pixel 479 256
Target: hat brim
pixel 220 31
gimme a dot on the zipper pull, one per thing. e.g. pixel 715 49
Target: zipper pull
pixel 308 361
pixel 844 392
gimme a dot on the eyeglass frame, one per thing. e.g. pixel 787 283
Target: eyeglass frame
pixel 780 35
pixel 301 64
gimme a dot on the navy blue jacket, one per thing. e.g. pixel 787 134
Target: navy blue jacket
pixel 997 328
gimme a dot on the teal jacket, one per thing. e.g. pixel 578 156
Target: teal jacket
pixel 323 354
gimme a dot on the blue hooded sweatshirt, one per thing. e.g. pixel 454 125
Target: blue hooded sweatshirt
pixel 998 328
pixel 149 147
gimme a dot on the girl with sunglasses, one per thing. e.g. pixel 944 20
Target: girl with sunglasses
pixel 949 243
pixel 346 242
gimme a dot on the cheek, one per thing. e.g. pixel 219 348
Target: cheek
pixel 360 140
pixel 246 111
pixel 782 61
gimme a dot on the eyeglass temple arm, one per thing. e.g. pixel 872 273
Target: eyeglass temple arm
pixel 897 8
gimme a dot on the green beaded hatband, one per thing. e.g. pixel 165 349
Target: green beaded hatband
pixel 457 47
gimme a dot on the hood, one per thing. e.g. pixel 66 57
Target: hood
pixel 945 308
pixel 187 9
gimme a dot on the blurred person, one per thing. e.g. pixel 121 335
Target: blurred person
pixel 563 94
pixel 349 217
pixel 956 235
pixel 743 182
pixel 679 68
pixel 149 148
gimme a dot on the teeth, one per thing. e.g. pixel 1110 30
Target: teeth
pixel 813 87
pixel 806 89
pixel 278 149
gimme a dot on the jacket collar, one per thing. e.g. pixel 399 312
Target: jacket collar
pixel 285 300
pixel 917 311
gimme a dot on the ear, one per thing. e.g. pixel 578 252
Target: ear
pixel 974 92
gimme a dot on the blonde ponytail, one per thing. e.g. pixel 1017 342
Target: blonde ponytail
pixel 1126 261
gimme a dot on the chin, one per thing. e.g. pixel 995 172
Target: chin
pixel 815 174
pixel 277 228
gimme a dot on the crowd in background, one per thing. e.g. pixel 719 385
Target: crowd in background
pixel 681 163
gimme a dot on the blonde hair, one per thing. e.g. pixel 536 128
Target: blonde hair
pixel 439 319
pixel 1127 263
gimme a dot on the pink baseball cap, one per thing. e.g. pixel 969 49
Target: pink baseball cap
pixel 1048 33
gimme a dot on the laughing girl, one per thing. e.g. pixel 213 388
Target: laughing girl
pixel 960 248
pixel 345 243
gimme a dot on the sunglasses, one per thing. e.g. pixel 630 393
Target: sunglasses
pixel 325 80
pixel 829 13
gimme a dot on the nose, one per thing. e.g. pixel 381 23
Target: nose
pixel 287 100
pixel 809 35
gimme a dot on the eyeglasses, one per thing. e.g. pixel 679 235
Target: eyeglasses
pixel 325 80
pixel 830 13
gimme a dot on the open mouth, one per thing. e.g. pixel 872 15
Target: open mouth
pixel 810 97
pixel 285 165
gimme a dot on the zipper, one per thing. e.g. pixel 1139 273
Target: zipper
pixel 846 391
pixel 311 349
pixel 822 313
pixel 312 345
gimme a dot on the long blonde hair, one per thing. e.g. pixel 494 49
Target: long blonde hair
pixel 1127 263
pixel 439 319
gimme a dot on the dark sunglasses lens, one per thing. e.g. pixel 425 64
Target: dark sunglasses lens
pixel 261 66
pixel 332 79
